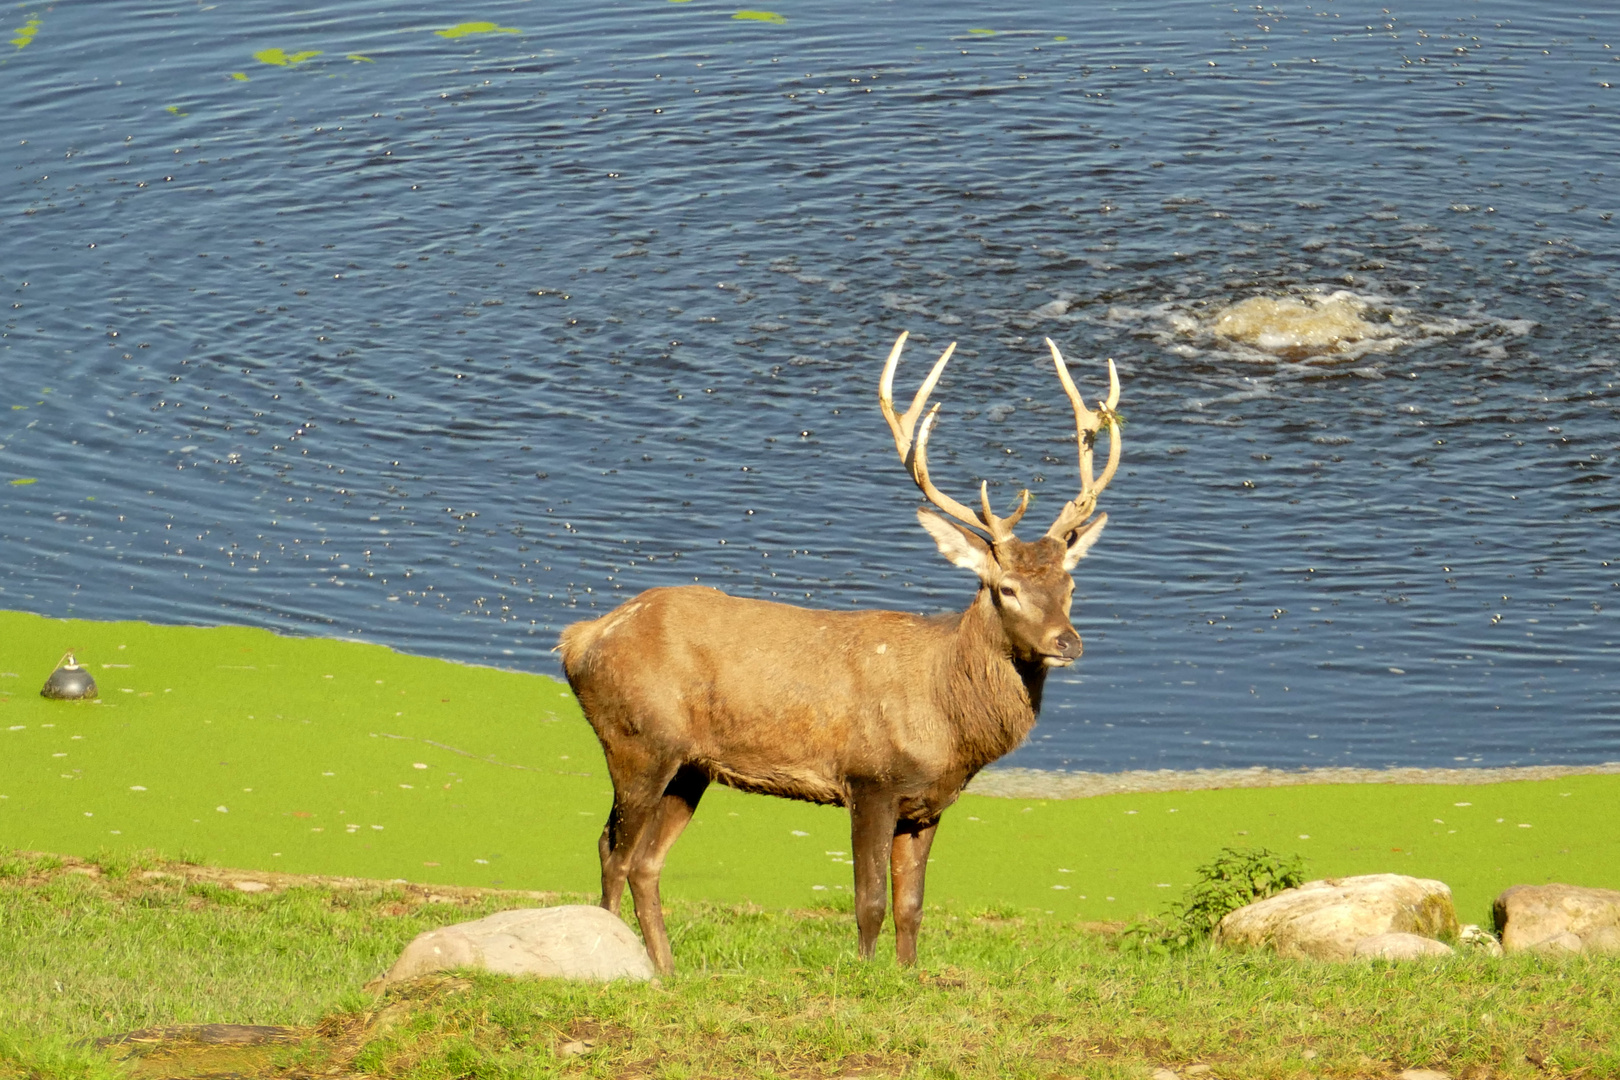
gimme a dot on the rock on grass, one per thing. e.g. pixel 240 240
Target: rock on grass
pixel 1400 946
pixel 1558 918
pixel 1325 920
pixel 575 941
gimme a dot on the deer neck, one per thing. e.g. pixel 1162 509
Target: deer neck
pixel 994 697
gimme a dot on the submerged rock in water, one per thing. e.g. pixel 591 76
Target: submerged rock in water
pixel 1298 328
pixel 574 941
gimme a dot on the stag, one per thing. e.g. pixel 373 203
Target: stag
pixel 885 712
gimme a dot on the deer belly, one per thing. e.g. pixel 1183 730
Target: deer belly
pixel 793 750
pixel 810 749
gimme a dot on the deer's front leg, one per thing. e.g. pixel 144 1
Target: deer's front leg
pixel 910 866
pixel 872 814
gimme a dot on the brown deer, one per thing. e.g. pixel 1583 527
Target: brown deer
pixel 887 713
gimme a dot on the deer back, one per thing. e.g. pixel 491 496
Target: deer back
pixel 791 701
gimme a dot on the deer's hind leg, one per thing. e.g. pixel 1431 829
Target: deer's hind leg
pixel 638 788
pixel 604 849
pixel 679 803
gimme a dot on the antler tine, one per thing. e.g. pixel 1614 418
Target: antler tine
pixel 1111 417
pixel 917 465
pixel 1000 528
pixel 903 425
pixel 912 444
pixel 1088 425
pixel 902 437
pixel 1086 421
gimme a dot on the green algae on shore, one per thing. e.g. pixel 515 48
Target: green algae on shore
pixel 339 757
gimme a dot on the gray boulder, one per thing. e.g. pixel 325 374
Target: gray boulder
pixel 1325 920
pixel 1472 939
pixel 1558 918
pixel 1558 943
pixel 571 942
pixel 1399 946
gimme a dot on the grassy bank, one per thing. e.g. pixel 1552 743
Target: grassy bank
pixel 760 993
pixel 328 757
pixel 296 756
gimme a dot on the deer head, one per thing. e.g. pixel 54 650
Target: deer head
pixel 1029 583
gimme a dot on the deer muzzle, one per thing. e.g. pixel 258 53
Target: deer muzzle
pixel 1064 649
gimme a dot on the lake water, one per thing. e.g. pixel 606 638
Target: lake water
pixel 446 326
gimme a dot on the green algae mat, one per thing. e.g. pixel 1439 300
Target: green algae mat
pixel 313 756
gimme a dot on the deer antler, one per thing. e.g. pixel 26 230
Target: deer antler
pixel 1088 425
pixel 914 454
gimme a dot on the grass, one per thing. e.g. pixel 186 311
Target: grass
pixel 300 756
pixel 334 757
pixel 127 941
pixel 767 993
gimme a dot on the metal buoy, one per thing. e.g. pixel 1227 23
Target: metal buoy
pixel 69 682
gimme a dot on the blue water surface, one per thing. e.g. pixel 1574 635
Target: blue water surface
pixel 444 326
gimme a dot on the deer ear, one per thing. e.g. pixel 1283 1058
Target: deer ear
pixel 1080 541
pixel 960 546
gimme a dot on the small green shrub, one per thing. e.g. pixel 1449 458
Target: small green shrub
pixel 1236 877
